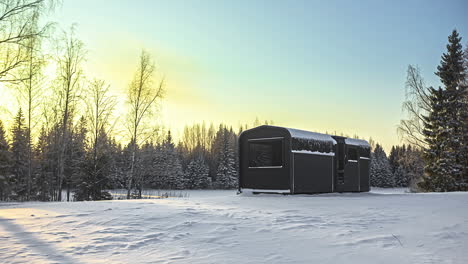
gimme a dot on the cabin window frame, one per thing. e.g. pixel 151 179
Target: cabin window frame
pixel 281 139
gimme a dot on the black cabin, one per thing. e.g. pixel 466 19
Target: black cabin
pixel 285 160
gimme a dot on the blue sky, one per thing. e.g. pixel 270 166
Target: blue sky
pixel 316 65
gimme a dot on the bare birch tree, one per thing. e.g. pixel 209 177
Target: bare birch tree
pixel 100 105
pixel 415 106
pixel 143 96
pixel 30 90
pixel 17 17
pixel 71 55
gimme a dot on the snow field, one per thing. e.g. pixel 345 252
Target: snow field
pixel 384 226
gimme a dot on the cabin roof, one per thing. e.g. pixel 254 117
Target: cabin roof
pixel 297 133
pixel 303 134
pixel 308 135
pixel 357 142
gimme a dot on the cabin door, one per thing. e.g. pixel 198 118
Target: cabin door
pixel 340 166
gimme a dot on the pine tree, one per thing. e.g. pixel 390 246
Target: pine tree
pixel 196 175
pixel 464 121
pixel 95 171
pixel 401 176
pixel 452 69
pixel 43 169
pixel 19 150
pixel 76 158
pixel 143 171
pixel 226 175
pixel 439 177
pixel 172 172
pixel 5 165
pixel 393 157
pixel 445 132
pixel 380 170
pixel 119 165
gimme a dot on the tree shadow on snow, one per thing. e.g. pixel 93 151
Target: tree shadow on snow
pixel 31 241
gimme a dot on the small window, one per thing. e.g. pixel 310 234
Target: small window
pixel 352 154
pixel 265 153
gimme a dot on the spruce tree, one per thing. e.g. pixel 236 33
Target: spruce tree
pixel 43 169
pixel 196 175
pixel 19 150
pixel 445 125
pixel 393 157
pixel 452 69
pixel 437 157
pixel 5 165
pixel 226 175
pixel 76 158
pixel 167 166
pixel 171 170
pixel 380 170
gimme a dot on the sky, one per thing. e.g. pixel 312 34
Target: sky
pixel 335 66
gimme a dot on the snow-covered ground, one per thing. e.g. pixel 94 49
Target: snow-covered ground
pixel 384 226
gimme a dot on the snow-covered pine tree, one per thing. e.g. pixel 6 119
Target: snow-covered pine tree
pixel 464 120
pixel 438 170
pixel 120 165
pixel 414 164
pixel 143 171
pixel 175 172
pixel 196 175
pixel 401 176
pixel 168 166
pixel 5 165
pixel 75 174
pixel 452 74
pixel 397 162
pixel 226 175
pixel 43 167
pixel 216 148
pixel 444 129
pixel 19 150
pixel 380 170
pixel 393 157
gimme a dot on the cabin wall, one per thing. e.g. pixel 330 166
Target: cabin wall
pixel 265 178
pixel 364 166
pixel 351 178
pixel 313 173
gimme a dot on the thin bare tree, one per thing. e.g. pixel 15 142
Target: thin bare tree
pixel 143 96
pixel 69 59
pixel 415 106
pixel 17 17
pixel 30 89
pixel 100 105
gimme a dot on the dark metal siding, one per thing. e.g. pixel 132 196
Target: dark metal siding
pixel 364 174
pixel 264 178
pixel 313 173
pixel 351 177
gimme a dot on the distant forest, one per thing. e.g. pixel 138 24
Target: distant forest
pixel 62 140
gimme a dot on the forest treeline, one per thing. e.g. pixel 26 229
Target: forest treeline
pixel 62 136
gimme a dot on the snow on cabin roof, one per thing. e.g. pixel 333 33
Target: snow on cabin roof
pixel 297 133
pixel 357 142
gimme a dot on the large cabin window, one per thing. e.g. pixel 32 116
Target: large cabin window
pixel 266 153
